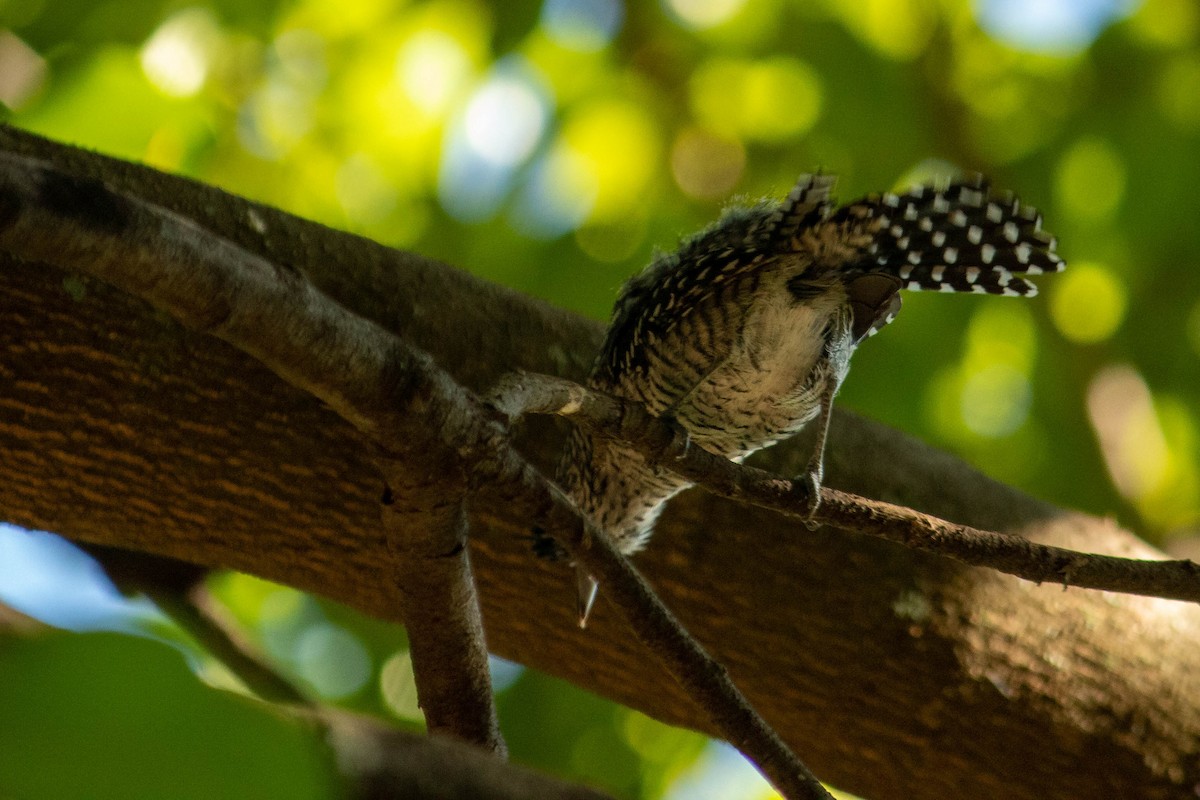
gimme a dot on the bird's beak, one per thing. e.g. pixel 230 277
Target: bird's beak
pixel 586 586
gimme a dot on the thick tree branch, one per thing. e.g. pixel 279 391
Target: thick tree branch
pixel 273 313
pixel 666 445
pixel 397 397
pixel 899 675
pixel 427 531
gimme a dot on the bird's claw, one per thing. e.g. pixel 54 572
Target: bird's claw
pixel 586 587
pixel 681 441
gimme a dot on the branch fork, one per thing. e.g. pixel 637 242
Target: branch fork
pixel 399 398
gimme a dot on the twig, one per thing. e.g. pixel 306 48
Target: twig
pixel 663 444
pixel 702 677
pixel 198 613
pixel 179 591
pixel 14 623
pixel 383 763
pixel 391 392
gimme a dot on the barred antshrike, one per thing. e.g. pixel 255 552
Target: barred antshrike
pixel 744 334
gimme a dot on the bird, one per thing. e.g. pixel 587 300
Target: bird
pixel 743 335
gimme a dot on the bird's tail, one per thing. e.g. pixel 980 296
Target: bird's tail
pixel 954 239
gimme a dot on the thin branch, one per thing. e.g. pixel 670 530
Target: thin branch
pixel 199 614
pixel 178 589
pixel 701 676
pixel 14 623
pixel 383 763
pixel 666 445
pixel 388 390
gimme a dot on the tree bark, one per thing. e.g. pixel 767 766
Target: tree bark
pixel 388 764
pixel 892 673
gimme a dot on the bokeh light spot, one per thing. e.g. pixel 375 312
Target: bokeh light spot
pixel 584 25
pixel 771 100
pixel 706 166
pixel 995 400
pixel 659 743
pixel 300 59
pixel 177 55
pixel 500 128
pixel 899 29
pixel 621 146
pixel 333 660
pixel 22 71
pixel 783 99
pixel 1177 501
pixel 398 687
pixel 504 120
pixel 285 615
pixel 1001 333
pixel 1090 180
pixel 1049 25
pixel 1121 411
pixel 988 395
pixel 432 68
pixel 703 13
pixel 274 119
pixel 1088 303
pixel 279 605
pixel 558 195
pixel 1169 23
pixel 1179 91
pixel 986 80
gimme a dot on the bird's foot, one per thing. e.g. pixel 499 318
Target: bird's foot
pixel 812 502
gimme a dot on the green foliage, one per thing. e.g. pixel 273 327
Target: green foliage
pixel 562 729
pixel 110 716
pixel 553 157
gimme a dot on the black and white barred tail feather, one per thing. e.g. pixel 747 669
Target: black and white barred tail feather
pixel 954 239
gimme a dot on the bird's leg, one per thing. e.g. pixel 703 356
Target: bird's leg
pixel 816 464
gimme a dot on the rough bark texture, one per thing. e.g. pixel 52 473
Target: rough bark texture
pixel 439 605
pixel 892 673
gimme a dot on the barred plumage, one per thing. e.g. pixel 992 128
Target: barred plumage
pixel 745 333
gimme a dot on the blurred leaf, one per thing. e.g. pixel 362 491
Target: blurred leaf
pixel 86 91
pixel 554 726
pixel 110 716
pixel 89 23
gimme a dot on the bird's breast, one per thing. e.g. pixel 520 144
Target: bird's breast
pixel 769 384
